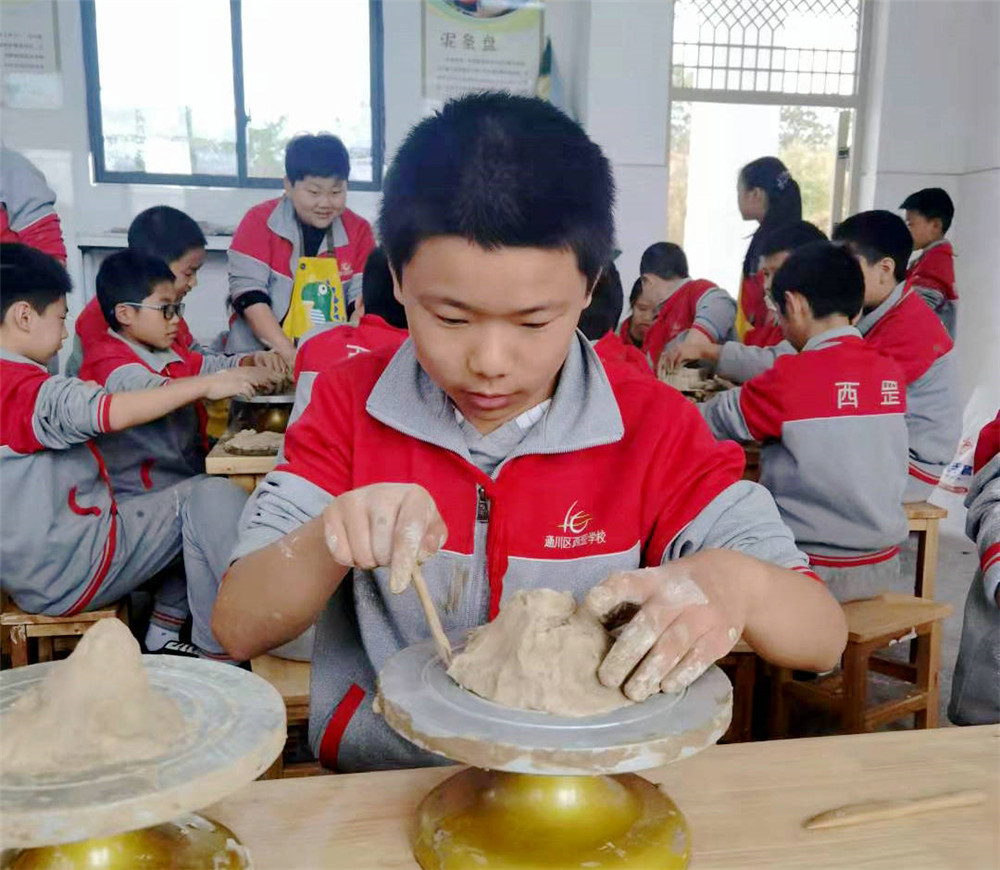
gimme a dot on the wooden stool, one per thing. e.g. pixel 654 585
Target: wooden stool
pixel 923 519
pixel 19 627
pixel 291 679
pixel 740 665
pixel 872 625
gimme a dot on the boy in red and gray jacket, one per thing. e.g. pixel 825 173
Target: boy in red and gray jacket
pixel 496 448
pixel 929 213
pixel 27 206
pixel 831 419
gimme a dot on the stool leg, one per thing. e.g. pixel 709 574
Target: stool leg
pixel 855 682
pixel 44 649
pixel 18 646
pixel 928 675
pixel 778 726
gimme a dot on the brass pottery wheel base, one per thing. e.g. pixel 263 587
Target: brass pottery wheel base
pixel 510 821
pixel 192 842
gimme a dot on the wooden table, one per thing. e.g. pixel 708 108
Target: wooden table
pixel 745 803
pixel 244 471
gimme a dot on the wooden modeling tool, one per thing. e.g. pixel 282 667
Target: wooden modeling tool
pixel 441 642
pixel 877 811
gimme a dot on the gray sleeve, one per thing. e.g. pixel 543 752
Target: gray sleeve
pixel 212 362
pixel 24 191
pixel 740 362
pixel 934 298
pixel 982 522
pixel 247 273
pixel 725 417
pixel 303 395
pixel 352 289
pixel 742 517
pixel 715 314
pixel 280 504
pixel 69 412
pixel 133 376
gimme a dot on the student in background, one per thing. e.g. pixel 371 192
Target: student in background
pixel 688 306
pixel 735 361
pixel 831 419
pixel 975 689
pixel 27 206
pixel 382 324
pixel 643 313
pixel 300 255
pixel 142 350
pixel 69 542
pixel 493 428
pixel 929 213
pixel 599 319
pixel 899 325
pixel 766 193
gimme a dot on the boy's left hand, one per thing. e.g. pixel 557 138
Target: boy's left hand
pixel 691 612
pixel 266 359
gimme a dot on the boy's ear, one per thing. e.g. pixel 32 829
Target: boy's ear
pixel 125 314
pixel 288 186
pixel 19 315
pixel 938 225
pixel 796 305
pixel 887 266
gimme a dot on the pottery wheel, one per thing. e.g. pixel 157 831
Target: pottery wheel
pixel 421 702
pixel 235 729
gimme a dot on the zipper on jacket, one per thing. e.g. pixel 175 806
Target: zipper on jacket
pixel 480 561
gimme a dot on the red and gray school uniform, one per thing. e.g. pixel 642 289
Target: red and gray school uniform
pixel 906 330
pixel 740 362
pixel 551 513
pixel 696 304
pixel 756 325
pixel 975 689
pixel 932 275
pixel 27 206
pixel 264 254
pixel 159 454
pixel 834 456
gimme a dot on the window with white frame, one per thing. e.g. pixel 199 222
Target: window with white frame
pixel 208 92
pixel 757 77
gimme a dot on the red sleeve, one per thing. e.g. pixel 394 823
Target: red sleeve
pixel 46 236
pixel 987 445
pixel 19 386
pixel 936 271
pixel 762 402
pixel 91 325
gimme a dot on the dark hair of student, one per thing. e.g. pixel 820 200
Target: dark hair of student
pixel 790 237
pixel 784 201
pixel 28 275
pixel 665 260
pixel 500 171
pixel 633 297
pixel 876 235
pixel 377 291
pixel 323 156
pixel 128 276
pixel 826 275
pixel 605 309
pixel 932 202
pixel 165 232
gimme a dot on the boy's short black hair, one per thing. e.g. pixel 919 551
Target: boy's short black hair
pixel 633 297
pixel 128 276
pixel 665 260
pixel 165 232
pixel 790 237
pixel 323 156
pixel 875 235
pixel 377 291
pixel 500 171
pixel 28 275
pixel 828 276
pixel 931 202
pixel 605 309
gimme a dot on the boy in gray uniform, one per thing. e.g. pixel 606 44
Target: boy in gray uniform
pixel 67 543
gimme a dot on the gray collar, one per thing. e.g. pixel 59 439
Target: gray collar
pixel 284 222
pixel 584 412
pixel 869 320
pixel 818 341
pixel 157 360
pixel 10 356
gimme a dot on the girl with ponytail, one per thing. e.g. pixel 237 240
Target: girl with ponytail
pixel 766 193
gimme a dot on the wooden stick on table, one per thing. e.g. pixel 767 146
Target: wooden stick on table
pixel 876 811
pixel 437 632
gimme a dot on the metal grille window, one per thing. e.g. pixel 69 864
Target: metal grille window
pixel 761 47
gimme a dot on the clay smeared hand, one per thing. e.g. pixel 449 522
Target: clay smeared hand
pixel 385 524
pixel 694 346
pixel 691 612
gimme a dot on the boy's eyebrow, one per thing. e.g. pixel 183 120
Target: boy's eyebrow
pixel 464 306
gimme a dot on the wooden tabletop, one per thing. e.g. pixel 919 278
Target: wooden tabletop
pixel 745 804
pixel 219 461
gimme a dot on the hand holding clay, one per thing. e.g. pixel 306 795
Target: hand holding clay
pixel 267 359
pixel 385 524
pixel 240 381
pixel 694 346
pixel 690 613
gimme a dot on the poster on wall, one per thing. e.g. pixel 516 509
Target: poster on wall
pixel 476 45
pixel 29 58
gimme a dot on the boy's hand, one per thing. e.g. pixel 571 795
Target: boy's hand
pixel 694 346
pixel 385 524
pixel 266 359
pixel 239 381
pixel 691 612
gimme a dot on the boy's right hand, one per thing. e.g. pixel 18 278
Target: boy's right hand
pixel 385 524
pixel 240 381
pixel 694 346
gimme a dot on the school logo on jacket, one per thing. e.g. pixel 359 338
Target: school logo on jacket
pixel 574 528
